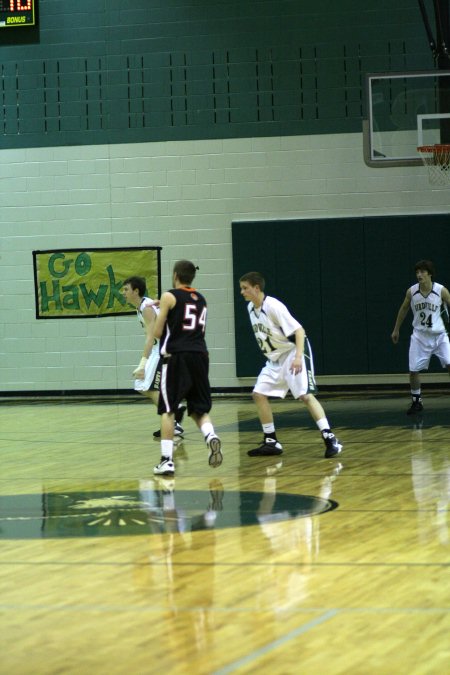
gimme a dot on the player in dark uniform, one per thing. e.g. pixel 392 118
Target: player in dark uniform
pixel 180 325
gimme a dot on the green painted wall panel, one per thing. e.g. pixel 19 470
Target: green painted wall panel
pixel 344 332
pixel 269 55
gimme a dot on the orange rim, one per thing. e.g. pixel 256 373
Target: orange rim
pixel 442 147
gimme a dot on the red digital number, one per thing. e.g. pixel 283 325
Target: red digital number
pixel 19 5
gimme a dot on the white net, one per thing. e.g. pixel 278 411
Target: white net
pixel 437 160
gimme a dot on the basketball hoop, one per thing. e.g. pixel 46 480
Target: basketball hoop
pixel 437 159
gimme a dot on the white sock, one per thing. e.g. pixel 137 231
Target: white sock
pixel 207 429
pixel 167 449
pixel 268 428
pixel 323 424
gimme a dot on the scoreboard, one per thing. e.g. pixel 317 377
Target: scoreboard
pixel 16 13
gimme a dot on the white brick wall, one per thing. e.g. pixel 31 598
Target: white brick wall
pixel 183 197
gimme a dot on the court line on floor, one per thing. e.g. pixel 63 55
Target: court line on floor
pixel 257 653
pixel 301 630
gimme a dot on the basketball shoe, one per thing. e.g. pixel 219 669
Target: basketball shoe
pixel 415 407
pixel 215 457
pixel 268 447
pixel 332 445
pixel 165 467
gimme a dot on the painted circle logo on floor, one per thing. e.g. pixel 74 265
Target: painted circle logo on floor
pixel 154 507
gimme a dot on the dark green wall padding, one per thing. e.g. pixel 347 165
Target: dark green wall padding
pixel 343 279
pixel 161 70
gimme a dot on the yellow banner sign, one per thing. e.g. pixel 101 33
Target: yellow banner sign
pixel 75 283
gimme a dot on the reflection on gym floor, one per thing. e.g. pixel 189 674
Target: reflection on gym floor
pixel 154 506
pixel 293 563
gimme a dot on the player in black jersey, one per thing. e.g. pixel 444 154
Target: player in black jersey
pixel 180 325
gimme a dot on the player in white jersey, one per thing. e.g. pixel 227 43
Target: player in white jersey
pixel 289 365
pixel 148 372
pixel 429 303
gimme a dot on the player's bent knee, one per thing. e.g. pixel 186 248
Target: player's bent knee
pixel 258 397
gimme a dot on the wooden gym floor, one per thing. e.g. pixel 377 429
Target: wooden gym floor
pixel 292 564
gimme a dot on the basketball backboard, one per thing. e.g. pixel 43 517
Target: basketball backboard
pixel 404 111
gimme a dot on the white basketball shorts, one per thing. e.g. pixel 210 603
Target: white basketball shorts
pixel 275 379
pixel 152 377
pixel 425 345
